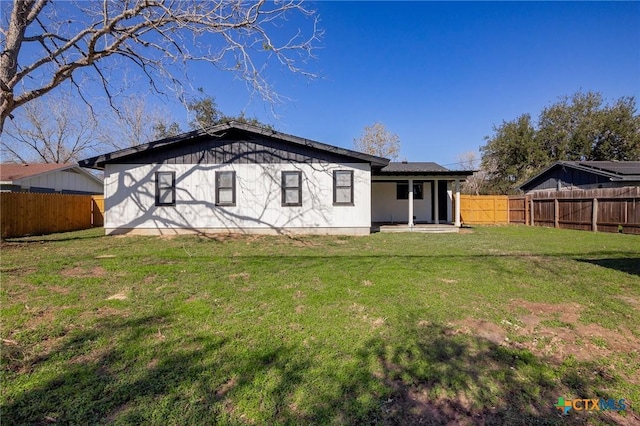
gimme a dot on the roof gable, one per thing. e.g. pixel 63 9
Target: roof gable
pixel 611 170
pixel 18 173
pixel 10 172
pixel 233 142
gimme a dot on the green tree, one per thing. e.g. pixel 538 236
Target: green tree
pixel 511 154
pixel 247 120
pixel 163 130
pixel 205 112
pixel 576 128
pixel 618 133
pixel 566 129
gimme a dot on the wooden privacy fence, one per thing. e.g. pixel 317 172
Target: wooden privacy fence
pixel 604 210
pixel 24 213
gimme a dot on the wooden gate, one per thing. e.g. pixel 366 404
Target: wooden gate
pixel 484 209
pixel 97 210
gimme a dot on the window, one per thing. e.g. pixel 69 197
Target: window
pixel 402 191
pixel 165 188
pixel 343 187
pixel 225 188
pixel 291 188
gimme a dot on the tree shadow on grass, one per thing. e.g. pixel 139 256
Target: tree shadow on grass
pixel 630 265
pixel 87 234
pixel 438 377
pixel 413 375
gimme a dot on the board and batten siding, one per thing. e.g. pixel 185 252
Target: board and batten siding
pixel 130 200
pixel 233 149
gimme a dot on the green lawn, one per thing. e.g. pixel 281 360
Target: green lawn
pixel 493 323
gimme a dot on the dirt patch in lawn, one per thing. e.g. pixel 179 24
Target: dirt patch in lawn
pixel 242 275
pixel 413 405
pixel 552 331
pixel 79 272
pixel 18 270
pixel 118 296
pixel 484 329
pixel 630 300
pixel 566 312
pixel 555 331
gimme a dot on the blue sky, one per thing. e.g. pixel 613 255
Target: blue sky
pixel 442 74
pixel 439 74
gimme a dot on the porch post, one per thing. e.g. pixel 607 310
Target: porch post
pixel 457 204
pixel 410 222
pixel 436 208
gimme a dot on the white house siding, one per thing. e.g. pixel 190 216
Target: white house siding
pixel 63 180
pixel 388 209
pixel 130 200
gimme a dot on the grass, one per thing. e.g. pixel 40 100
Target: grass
pixel 495 324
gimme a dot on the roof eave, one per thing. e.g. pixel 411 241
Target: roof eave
pixel 99 161
pixel 427 173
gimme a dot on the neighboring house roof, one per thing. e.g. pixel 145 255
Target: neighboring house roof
pixel 615 171
pixel 221 131
pixel 618 170
pixel 14 173
pixel 416 168
pixel 10 172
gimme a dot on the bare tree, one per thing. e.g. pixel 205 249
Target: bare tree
pixel 469 161
pixel 47 43
pixel 134 122
pixel 50 130
pixel 377 140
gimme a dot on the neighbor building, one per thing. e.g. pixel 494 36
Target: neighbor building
pixel 48 178
pixel 566 175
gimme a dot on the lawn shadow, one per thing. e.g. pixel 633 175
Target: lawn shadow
pixel 86 234
pixel 629 265
pixel 420 375
pixel 440 377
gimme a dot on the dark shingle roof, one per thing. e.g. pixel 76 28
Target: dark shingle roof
pixel 622 168
pixel 101 160
pixel 628 171
pixel 406 168
pixel 413 167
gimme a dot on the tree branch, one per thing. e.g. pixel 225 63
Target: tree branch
pixel 149 34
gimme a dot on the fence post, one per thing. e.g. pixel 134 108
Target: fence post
pixel 594 215
pixel 556 213
pixel 531 213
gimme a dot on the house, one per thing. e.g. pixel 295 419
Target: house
pixel 565 175
pixel 48 178
pixel 237 177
